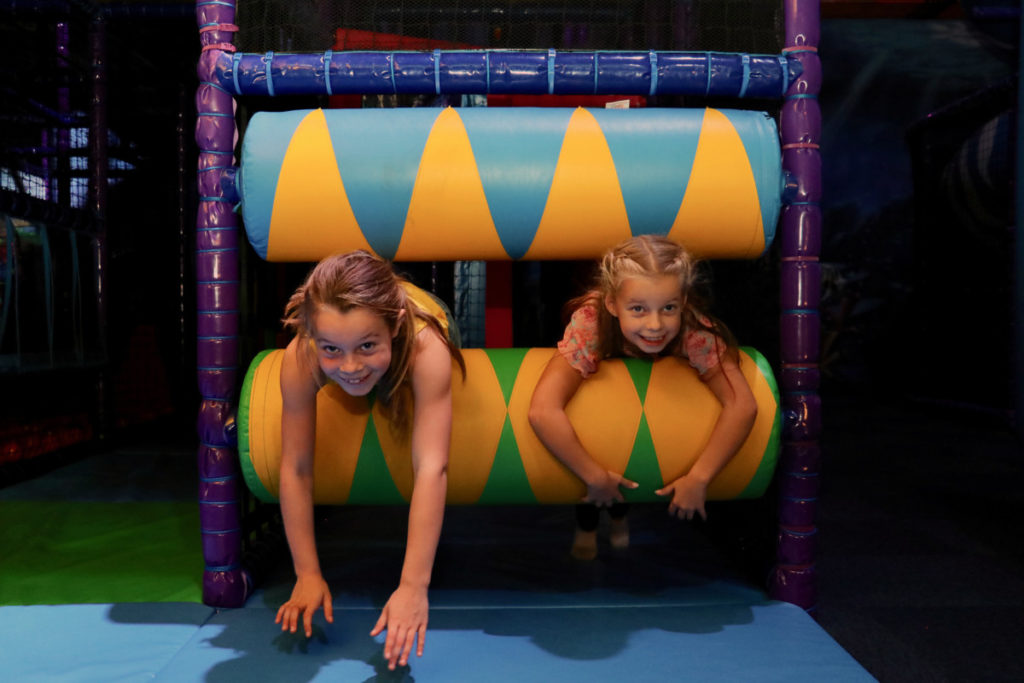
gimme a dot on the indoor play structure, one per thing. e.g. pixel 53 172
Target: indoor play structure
pixel 492 184
pixel 294 206
pixel 507 602
pixel 497 185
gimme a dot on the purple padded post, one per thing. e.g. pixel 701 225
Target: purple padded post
pixel 217 282
pixel 794 577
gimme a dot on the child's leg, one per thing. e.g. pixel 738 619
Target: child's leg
pixel 584 543
pixel 618 529
pixel 586 516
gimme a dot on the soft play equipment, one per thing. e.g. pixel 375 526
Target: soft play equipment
pixel 652 430
pixel 495 184
pixel 455 184
pixel 498 183
pixel 507 603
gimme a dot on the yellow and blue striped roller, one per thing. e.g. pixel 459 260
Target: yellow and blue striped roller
pixel 421 184
pixel 647 420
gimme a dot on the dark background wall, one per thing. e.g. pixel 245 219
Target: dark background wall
pixel 918 222
pixel 917 231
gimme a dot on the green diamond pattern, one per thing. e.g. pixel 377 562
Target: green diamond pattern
pixel 643 466
pixel 640 372
pixel 507 481
pixel 506 364
pixel 372 482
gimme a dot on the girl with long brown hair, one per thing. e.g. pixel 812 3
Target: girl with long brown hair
pixel 358 324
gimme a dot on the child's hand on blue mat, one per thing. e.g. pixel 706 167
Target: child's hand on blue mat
pixel 309 594
pixel 405 617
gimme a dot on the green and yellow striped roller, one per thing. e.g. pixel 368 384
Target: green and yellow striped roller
pixel 647 420
pixel 422 184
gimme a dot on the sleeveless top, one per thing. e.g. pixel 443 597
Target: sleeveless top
pixel 428 303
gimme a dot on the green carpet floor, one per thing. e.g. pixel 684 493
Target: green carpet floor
pixel 56 552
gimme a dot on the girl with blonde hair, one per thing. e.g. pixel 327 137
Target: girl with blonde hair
pixel 644 304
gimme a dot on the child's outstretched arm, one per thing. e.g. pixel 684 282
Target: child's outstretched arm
pixel 556 386
pixel 734 423
pixel 405 614
pixel 298 431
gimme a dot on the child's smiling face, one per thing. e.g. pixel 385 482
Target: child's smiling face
pixel 352 348
pixel 649 311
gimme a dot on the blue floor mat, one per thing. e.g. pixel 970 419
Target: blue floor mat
pixel 508 603
pixel 174 642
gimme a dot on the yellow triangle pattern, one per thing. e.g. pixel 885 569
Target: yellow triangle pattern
pixel 720 215
pixel 550 480
pixel 680 431
pixel 341 423
pixel 585 212
pixel 265 434
pixel 606 412
pixel 397 450
pixel 478 411
pixel 448 213
pixel 478 415
pixel 310 194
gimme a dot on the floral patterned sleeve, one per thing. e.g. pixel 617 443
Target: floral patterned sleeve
pixel 579 345
pixel 704 350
